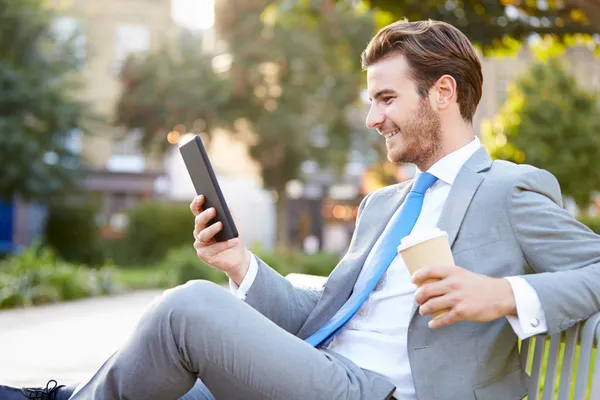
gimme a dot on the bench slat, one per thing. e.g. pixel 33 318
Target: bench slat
pixel 566 372
pixel 552 366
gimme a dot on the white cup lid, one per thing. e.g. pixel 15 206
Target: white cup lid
pixel 419 237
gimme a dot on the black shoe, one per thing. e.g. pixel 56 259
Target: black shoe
pixel 52 391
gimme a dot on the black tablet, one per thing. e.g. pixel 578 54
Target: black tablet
pixel 205 182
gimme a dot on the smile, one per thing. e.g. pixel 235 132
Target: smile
pixel 390 134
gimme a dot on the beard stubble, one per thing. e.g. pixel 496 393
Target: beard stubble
pixel 421 135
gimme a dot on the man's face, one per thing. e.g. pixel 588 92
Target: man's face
pixel 410 125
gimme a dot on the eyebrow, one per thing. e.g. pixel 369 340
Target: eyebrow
pixel 381 93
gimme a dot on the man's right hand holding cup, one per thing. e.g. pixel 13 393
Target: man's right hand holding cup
pixel 231 257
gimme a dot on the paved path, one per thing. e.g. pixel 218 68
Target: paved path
pixel 67 341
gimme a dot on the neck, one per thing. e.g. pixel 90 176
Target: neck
pixel 453 138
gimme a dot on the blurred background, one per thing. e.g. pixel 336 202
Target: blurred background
pixel 96 97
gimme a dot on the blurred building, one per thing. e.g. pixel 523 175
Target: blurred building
pixel 105 33
pixel 239 176
pixel 498 73
pixel 323 207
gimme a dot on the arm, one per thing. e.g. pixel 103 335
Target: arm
pixel 564 253
pixel 275 297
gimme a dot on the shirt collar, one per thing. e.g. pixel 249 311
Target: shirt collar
pixel 448 167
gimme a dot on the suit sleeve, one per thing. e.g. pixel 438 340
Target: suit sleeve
pixel 277 299
pixel 563 253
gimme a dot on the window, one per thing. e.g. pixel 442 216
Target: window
pixel 72 141
pixel 69 32
pixel 130 39
pixel 127 155
pixel 129 145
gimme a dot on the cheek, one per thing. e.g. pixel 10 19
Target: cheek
pixel 396 114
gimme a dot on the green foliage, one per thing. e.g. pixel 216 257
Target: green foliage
pixel 549 121
pixel 38 107
pixel 139 278
pixel 154 228
pixel 182 265
pixel 285 86
pixel 290 261
pixel 72 233
pixel 491 23
pixel 38 277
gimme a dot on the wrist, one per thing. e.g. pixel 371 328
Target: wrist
pixel 238 274
pixel 507 304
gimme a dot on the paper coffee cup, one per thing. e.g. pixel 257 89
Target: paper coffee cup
pixel 426 248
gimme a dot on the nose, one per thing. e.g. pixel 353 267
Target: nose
pixel 375 117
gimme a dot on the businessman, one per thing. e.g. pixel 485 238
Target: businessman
pixel 524 267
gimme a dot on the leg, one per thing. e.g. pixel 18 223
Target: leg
pixel 199 330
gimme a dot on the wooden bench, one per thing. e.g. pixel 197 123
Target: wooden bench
pixel 564 363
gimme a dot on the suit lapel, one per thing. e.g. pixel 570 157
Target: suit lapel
pixel 461 194
pixel 466 184
pixel 341 282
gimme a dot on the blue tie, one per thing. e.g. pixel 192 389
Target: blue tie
pixel 379 259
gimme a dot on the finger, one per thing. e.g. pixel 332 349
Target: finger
pixel 210 252
pixel 431 272
pixel 203 218
pixel 455 315
pixel 436 304
pixel 431 290
pixel 196 205
pixel 207 234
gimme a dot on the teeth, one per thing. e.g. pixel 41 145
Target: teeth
pixel 390 134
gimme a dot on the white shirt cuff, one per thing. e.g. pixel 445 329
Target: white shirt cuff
pixel 242 291
pixel 531 319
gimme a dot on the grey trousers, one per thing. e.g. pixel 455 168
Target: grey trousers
pixel 201 331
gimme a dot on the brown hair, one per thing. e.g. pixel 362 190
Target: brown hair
pixel 432 49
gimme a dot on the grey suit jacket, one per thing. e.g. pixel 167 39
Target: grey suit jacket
pixel 503 220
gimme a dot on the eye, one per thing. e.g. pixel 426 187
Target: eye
pixel 387 99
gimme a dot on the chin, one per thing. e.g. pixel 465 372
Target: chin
pixel 395 156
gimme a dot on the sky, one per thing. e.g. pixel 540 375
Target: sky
pixel 193 14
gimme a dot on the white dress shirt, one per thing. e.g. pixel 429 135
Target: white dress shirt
pixel 376 342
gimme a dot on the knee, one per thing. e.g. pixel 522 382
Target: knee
pixel 193 299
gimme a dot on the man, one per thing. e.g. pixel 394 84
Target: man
pixel 524 267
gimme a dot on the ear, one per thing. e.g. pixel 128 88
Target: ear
pixel 444 92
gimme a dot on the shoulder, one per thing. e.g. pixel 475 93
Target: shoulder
pixel 376 198
pixel 511 179
pixel 386 192
pixel 505 171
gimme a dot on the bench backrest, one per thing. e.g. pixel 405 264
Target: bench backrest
pixel 542 354
pixel 573 349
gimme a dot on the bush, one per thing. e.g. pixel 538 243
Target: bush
pixel 286 262
pixel 71 232
pixel 38 277
pixel 593 223
pixel 154 229
pixel 182 265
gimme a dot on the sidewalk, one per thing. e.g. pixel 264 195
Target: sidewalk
pixel 67 341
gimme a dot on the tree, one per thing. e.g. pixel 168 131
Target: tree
pixel 294 75
pixel 501 23
pixel 37 107
pixel 549 121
